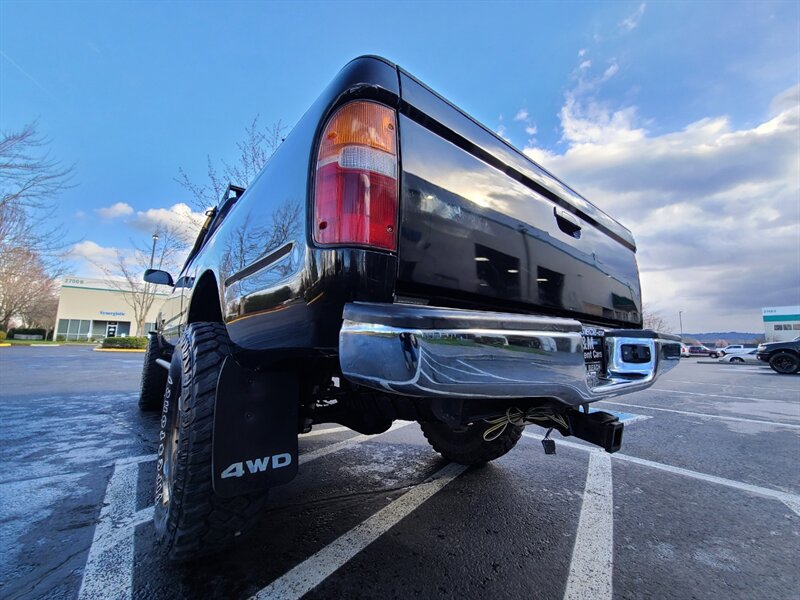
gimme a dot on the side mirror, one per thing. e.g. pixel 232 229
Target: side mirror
pixel 158 277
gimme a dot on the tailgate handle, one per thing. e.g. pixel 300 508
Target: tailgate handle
pixel 567 222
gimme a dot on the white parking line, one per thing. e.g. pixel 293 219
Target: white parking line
pixel 592 565
pixel 749 398
pixel 109 565
pixel 324 431
pixel 110 562
pixel 314 570
pixel 726 384
pixel 790 500
pixel 324 451
pixel 134 460
pixel 705 415
pixel 635 419
pixel 146 514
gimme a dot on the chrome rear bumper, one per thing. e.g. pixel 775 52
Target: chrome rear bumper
pixel 440 352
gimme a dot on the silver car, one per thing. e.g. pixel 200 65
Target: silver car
pixel 742 357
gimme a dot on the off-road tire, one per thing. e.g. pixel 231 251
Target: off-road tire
pixel 190 519
pixel 784 363
pixel 154 377
pixel 465 445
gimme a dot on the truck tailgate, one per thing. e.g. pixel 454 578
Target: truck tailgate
pixel 482 225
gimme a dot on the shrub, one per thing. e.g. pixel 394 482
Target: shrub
pixel 125 342
pixel 2 335
pixel 61 338
pixel 15 331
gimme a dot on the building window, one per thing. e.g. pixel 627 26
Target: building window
pixel 787 327
pixel 73 329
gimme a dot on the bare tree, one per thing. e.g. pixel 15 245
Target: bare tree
pixel 30 249
pixel 247 242
pixel 29 176
pixel 653 319
pixel 41 314
pixel 125 275
pixel 258 145
pixel 30 181
pixel 24 281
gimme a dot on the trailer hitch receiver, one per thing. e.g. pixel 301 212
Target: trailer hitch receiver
pixel 598 428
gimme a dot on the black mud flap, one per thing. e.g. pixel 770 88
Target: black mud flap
pixel 255 429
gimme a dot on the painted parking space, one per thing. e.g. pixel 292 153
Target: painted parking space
pixel 627 418
pixel 704 499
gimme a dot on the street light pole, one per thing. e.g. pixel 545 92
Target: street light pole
pixel 680 318
pixel 153 251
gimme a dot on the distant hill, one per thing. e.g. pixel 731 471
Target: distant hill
pixel 731 337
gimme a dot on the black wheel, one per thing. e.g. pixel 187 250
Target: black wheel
pixel 714 355
pixel 465 445
pixel 736 359
pixel 154 377
pixel 190 520
pixel 785 363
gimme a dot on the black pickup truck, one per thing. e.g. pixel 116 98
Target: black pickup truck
pixel 394 260
pixel 783 357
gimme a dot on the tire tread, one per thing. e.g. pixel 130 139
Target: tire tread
pixel 154 377
pixel 199 522
pixel 469 447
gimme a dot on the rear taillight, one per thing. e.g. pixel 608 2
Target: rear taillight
pixel 355 198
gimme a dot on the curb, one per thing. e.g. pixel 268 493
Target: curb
pixel 118 350
pixel 5 345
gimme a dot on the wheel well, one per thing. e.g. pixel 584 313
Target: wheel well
pixel 205 304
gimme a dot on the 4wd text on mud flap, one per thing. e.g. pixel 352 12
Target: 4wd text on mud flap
pixel 257 465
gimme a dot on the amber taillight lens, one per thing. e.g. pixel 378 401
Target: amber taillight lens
pixel 355 198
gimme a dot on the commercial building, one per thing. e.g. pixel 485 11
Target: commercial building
pixel 781 323
pixel 94 309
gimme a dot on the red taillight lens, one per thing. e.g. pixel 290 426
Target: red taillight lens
pixel 355 199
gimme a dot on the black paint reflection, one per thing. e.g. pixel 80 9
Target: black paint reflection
pixel 469 232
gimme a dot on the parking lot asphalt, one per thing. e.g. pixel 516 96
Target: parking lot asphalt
pixel 703 500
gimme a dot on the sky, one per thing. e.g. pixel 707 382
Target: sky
pixel 680 119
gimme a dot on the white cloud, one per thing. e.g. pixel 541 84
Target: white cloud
pixel 524 117
pixel 632 21
pixel 612 70
pixel 88 258
pixel 120 209
pixel 178 217
pixel 581 52
pixel 590 122
pixel 501 131
pixel 715 209
pixel 90 250
pixel 786 100
pixel 585 65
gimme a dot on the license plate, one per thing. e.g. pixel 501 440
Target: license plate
pixel 594 348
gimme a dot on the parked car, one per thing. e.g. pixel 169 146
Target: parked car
pixel 685 351
pixel 387 264
pixel 700 350
pixel 783 357
pixel 747 356
pixel 735 349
